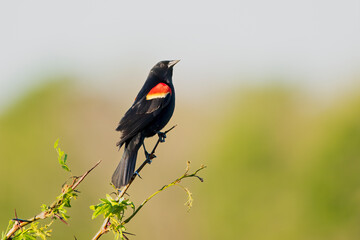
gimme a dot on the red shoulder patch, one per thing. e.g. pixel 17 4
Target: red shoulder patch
pixel 159 91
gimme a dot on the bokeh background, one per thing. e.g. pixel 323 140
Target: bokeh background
pixel 267 97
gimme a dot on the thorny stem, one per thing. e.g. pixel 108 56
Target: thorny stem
pixel 19 223
pixel 175 182
pixel 105 226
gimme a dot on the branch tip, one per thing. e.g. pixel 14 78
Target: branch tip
pixel 19 223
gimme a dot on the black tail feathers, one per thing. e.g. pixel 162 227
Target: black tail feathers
pixel 126 167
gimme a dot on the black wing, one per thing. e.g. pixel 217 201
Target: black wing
pixel 139 116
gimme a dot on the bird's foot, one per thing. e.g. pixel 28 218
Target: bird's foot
pixel 150 157
pixel 162 136
pixel 147 154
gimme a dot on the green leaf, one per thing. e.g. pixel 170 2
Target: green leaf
pixel 64 216
pixel 97 211
pixel 61 153
pixel 105 201
pixel 62 156
pixel 10 225
pixel 66 168
pixel 56 144
pixel 67 203
pixel 61 162
pixel 109 198
pixel 44 208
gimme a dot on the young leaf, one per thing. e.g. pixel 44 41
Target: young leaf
pixel 62 156
pixel 56 144
pixel 109 198
pixel 61 153
pixel 66 168
pixel 44 208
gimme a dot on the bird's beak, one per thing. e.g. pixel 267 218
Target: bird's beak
pixel 172 63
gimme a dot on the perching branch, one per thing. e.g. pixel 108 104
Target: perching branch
pixel 67 192
pixel 106 224
pixel 115 209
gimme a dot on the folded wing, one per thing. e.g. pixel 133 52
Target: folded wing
pixel 143 112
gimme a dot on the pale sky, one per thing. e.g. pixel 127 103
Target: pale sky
pixel 315 43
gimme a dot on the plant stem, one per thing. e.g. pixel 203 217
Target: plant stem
pixel 175 182
pixel 19 224
pixel 105 226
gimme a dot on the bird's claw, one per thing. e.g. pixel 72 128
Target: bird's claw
pixel 162 136
pixel 150 157
pixel 147 155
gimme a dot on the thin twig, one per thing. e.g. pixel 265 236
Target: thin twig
pixel 84 175
pixel 19 224
pixel 61 219
pixel 105 226
pixel 173 183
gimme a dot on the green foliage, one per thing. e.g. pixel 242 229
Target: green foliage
pixel 62 156
pixel 34 232
pixel 63 202
pixel 176 182
pixel 3 233
pixel 57 210
pixel 114 210
pixel 110 207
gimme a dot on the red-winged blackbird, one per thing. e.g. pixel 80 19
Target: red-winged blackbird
pixel 151 111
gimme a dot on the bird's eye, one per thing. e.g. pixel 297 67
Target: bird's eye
pixel 162 65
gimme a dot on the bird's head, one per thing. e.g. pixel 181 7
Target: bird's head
pixel 164 70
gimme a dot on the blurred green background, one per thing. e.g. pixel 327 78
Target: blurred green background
pixel 267 97
pixel 279 166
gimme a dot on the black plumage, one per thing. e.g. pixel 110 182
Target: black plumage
pixel 150 112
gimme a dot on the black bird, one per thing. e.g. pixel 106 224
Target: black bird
pixel 151 111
